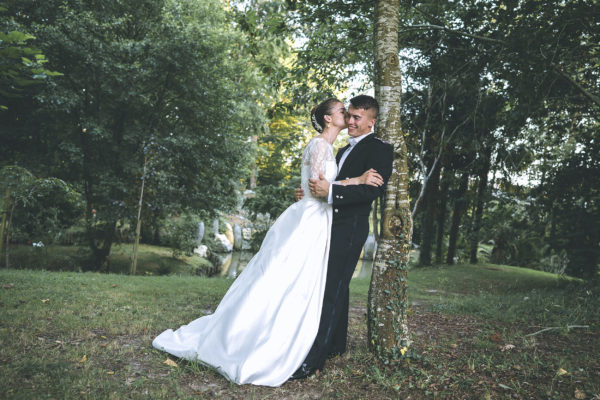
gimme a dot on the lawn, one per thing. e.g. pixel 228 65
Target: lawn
pixel 479 332
pixel 152 260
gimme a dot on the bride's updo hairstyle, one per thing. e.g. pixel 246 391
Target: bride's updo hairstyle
pixel 318 113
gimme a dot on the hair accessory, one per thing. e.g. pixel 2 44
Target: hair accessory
pixel 318 127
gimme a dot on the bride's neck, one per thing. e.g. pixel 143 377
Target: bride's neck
pixel 330 134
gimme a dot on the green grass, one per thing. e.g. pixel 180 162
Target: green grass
pixel 88 335
pixel 505 293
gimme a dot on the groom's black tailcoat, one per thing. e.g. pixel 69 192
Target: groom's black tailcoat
pixel 349 230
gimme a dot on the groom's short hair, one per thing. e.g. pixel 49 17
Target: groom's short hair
pixel 366 103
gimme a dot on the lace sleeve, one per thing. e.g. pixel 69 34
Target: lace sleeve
pixel 319 153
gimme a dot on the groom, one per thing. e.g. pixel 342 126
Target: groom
pixel 349 228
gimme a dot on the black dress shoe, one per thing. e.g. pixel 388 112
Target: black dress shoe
pixel 303 372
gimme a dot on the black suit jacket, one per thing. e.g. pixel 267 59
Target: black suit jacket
pixel 370 152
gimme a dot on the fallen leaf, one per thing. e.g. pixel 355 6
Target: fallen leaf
pixel 579 394
pixel 103 344
pixel 454 345
pixel 8 286
pixel 507 347
pixel 561 372
pixel 83 359
pixel 110 372
pixel 517 367
pixel 171 363
pixel 45 300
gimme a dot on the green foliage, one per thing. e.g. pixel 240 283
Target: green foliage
pixel 40 207
pixel 515 84
pixel 21 62
pixel 180 233
pixel 168 77
pixel 338 45
pixel 272 199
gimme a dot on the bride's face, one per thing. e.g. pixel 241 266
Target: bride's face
pixel 338 116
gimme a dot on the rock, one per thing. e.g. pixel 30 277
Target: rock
pixel 201 250
pixel 229 233
pixel 200 233
pixel 247 233
pixel 370 248
pixel 237 237
pixel 222 244
pixel 216 226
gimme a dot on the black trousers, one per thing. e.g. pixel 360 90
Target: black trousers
pixel 348 235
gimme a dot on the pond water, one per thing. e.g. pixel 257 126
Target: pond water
pixel 235 262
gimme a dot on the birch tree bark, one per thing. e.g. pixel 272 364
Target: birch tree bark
pixel 387 324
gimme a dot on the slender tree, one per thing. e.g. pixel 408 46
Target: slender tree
pixel 460 205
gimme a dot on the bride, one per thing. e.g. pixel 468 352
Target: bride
pixel 267 321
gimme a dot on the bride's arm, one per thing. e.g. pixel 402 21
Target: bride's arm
pixel 369 177
pixel 319 153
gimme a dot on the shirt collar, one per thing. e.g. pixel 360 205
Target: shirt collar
pixel 353 141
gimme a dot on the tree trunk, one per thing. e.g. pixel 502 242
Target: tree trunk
pixel 441 222
pixel 138 227
pixel 481 198
pixel 253 166
pixel 387 324
pixel 7 233
pixel 430 211
pixel 460 204
pixel 5 204
pixel 100 241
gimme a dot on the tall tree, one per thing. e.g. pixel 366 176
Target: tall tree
pixel 387 321
pixel 170 71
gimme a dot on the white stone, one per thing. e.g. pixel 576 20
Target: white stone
pixel 223 245
pixel 229 233
pixel 247 233
pixel 201 250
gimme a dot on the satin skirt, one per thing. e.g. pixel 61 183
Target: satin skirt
pixel 267 321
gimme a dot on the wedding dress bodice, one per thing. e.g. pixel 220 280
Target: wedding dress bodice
pixel 317 159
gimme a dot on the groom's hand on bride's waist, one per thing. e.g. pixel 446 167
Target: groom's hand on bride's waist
pixel 319 187
pixel 298 193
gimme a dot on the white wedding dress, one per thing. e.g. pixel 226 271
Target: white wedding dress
pixel 267 321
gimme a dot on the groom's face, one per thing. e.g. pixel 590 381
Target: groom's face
pixel 360 121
